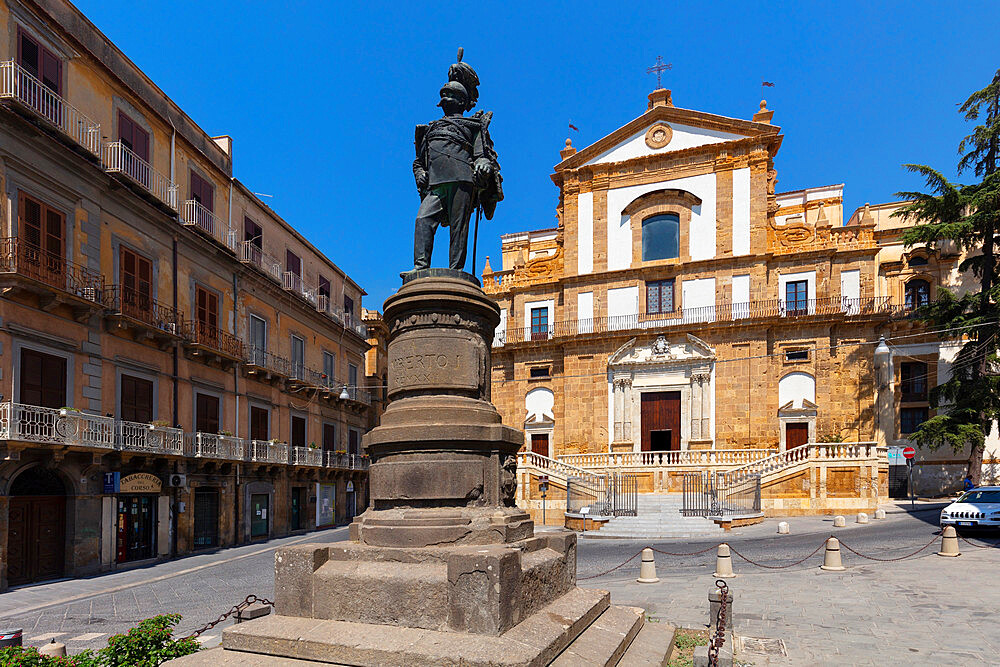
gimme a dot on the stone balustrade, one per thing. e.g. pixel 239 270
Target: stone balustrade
pixel 686 457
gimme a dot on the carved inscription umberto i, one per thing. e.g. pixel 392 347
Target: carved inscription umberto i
pixel 419 361
pixel 425 368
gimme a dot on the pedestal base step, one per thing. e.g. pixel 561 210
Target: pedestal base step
pixel 579 628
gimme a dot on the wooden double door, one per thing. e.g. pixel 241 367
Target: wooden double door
pixel 36 527
pixel 660 418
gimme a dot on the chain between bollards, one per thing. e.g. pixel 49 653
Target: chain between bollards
pixel 720 624
pixel 249 600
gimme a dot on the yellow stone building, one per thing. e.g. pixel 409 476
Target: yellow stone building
pixel 682 305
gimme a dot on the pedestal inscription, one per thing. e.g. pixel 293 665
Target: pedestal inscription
pixel 425 361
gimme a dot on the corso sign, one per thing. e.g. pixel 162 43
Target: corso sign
pixel 140 482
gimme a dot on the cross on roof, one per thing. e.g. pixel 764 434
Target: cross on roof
pixel 659 68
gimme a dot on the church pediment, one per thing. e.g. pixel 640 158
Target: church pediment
pixel 665 129
pixel 662 351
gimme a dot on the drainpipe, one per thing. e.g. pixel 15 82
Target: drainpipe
pixel 176 387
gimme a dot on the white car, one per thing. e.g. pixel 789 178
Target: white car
pixel 978 508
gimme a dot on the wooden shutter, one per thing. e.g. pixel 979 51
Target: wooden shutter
pixel 133 136
pixel 293 263
pixel 207 308
pixel 137 399
pixel 329 437
pixel 51 71
pixel 28 53
pixel 30 219
pixel 202 192
pixel 324 287
pixel 136 276
pixel 43 379
pixel 352 442
pixel 258 423
pixel 207 417
pixel 298 431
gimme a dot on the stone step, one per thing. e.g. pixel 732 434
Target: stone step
pixel 651 647
pixel 604 641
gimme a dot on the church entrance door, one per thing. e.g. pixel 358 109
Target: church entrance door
pixel 540 443
pixel 796 435
pixel 660 414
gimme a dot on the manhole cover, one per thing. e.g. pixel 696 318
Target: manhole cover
pixel 763 645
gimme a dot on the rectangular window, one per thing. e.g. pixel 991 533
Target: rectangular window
pixel 39 62
pixel 797 297
pixel 258 340
pixel 329 367
pixel 206 413
pixel 259 423
pixel 349 309
pixel 329 437
pixel 202 192
pixel 797 355
pixel 324 287
pixel 293 263
pixel 134 137
pixel 539 323
pixel 352 380
pixel 352 442
pixel 137 399
pixel 40 226
pixel 207 310
pixel 539 372
pixel 913 381
pixel 298 357
pixel 43 379
pixel 660 296
pixel 253 233
pixel 911 418
pixel 298 431
pixel 135 275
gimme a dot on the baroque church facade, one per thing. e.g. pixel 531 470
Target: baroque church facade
pixel 681 303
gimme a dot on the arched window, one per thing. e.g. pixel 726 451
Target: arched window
pixel 661 237
pixel 917 260
pixel 917 293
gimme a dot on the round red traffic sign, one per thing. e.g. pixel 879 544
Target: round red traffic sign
pixel 909 453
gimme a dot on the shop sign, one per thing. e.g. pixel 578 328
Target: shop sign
pixel 350 487
pixel 111 482
pixel 140 482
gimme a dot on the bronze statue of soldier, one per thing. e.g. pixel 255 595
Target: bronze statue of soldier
pixel 456 169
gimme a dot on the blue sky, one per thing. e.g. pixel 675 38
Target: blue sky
pixel 321 98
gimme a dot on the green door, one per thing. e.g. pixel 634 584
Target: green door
pixel 258 520
pixel 296 509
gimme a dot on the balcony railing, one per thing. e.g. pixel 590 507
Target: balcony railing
pixel 683 317
pixel 132 303
pixel 303 456
pixel 359 395
pixel 263 451
pixel 139 437
pixel 249 253
pixel 119 159
pixel 347 461
pixel 25 259
pixel 258 356
pixel 18 84
pixel 293 283
pixel 32 423
pixel 200 333
pixel 195 214
pixel 214 446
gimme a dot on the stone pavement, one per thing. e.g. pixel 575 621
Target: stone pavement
pixel 83 613
pixel 927 610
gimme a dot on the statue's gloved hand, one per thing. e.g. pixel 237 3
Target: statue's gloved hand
pixel 421 178
pixel 482 171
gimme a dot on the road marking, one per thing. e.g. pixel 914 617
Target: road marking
pixel 153 580
pixel 47 636
pixel 86 637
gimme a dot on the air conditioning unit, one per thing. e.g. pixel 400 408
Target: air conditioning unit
pixel 178 481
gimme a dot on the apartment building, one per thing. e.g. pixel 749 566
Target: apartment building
pixel 179 368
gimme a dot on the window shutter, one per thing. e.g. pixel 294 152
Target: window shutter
pixel 293 263
pixel 28 53
pixel 51 71
pixel 31 220
pixel 54 232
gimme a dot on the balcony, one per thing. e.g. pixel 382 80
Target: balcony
pixel 131 309
pixel 292 282
pixel 194 214
pixel 55 426
pixel 345 461
pixel 17 84
pixel 26 267
pixel 249 253
pixel 119 159
pixel 214 446
pixel 148 439
pixel 265 365
pixel 303 456
pixel 263 451
pixel 212 342
pixel 725 313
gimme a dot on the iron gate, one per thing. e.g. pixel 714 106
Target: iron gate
pixel 720 494
pixel 611 494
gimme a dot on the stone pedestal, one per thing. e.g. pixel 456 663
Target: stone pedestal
pixel 443 568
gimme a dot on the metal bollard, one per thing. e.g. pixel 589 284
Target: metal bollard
pixel 53 649
pixel 714 602
pixel 879 514
pixel 839 521
pixel 862 517
pixel 831 558
pixel 723 563
pixel 647 569
pixel 949 542
pixel 783 528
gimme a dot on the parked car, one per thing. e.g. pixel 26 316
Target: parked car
pixel 977 508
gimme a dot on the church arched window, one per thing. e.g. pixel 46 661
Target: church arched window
pixel 917 293
pixel 661 237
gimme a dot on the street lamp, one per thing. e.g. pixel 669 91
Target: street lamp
pixel 343 394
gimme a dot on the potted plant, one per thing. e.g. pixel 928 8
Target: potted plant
pixel 228 434
pixel 312 445
pixel 158 423
pixel 66 411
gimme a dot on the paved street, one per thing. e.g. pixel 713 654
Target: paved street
pixel 83 613
pixel 926 610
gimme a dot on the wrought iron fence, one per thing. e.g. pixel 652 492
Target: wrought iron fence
pixel 128 301
pixel 720 494
pixel 120 159
pixel 611 494
pixel 28 260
